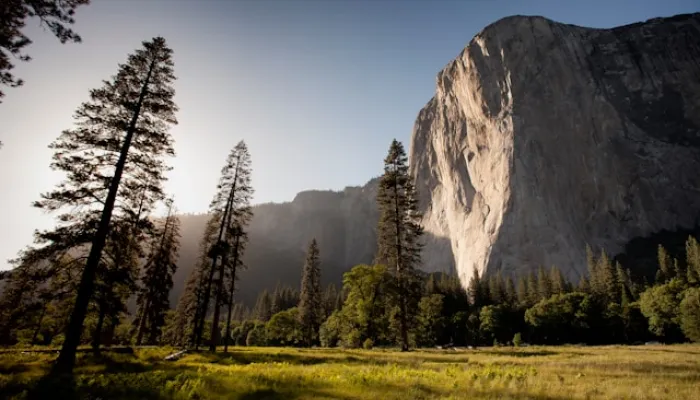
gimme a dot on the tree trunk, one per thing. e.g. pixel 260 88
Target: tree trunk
pixel 207 292
pixel 96 335
pixel 215 333
pixel 66 358
pixel 195 317
pixel 142 323
pixel 38 325
pixel 399 272
pixel 230 296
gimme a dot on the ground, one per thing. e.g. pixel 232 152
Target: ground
pixel 543 373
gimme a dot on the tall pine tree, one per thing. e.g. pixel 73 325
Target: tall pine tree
pixel 235 240
pixel 182 329
pixel 157 280
pixel 204 275
pixel 310 306
pixel 263 307
pixel 398 236
pixel 121 134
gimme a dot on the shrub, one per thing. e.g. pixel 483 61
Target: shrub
pixel 257 336
pixel 517 340
pixel 332 330
pixel 352 339
pixel 368 344
pixel 690 314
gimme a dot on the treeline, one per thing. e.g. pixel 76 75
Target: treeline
pixel 608 307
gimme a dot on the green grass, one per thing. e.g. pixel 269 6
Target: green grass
pixel 611 372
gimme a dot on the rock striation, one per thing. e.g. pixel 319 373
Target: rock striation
pixel 543 137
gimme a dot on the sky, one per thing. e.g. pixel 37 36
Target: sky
pixel 316 88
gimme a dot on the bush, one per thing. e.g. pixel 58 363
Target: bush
pixel 352 339
pixel 690 314
pixel 257 336
pixel 332 330
pixel 57 340
pixel 517 340
pixel 283 329
pixel 368 344
pixel 661 305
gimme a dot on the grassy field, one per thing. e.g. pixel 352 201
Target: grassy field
pixel 614 372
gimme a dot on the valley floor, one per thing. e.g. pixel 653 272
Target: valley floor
pixel 544 373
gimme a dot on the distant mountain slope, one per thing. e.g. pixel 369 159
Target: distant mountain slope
pixel 343 222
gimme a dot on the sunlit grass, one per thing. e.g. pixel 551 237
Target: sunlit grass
pixel 613 372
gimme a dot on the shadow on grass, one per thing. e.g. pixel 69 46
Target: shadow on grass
pixel 262 394
pixel 104 377
pixel 524 354
pixel 245 358
pixel 646 349
pixel 14 369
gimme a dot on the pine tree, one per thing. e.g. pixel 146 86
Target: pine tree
pixel 533 294
pixel 231 208
pixel 157 279
pixel 263 307
pixel 238 312
pixel 665 271
pixel 120 137
pixel 203 273
pixel 17 298
pixel 544 284
pixel 276 299
pixel 241 218
pixel 186 311
pixel 55 15
pixel 329 298
pixel 398 235
pixel 609 289
pixel 559 284
pixel 624 282
pixel 475 289
pixel 310 307
pixel 115 278
pixel 240 214
pixel 511 294
pixel 522 290
pixel 584 285
pixel 692 254
pixel 497 290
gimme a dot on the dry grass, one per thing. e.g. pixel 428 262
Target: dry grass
pixel 611 372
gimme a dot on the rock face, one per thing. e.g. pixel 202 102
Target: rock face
pixel 543 137
pixel 344 224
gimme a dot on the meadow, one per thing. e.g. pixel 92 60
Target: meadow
pixel 544 373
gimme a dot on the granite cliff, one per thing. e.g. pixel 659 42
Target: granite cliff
pixel 542 137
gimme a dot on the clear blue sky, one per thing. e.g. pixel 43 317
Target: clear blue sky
pixel 317 88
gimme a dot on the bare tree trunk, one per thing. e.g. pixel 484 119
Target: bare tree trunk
pixel 38 325
pixel 207 292
pixel 215 332
pixel 97 334
pixel 230 297
pixel 399 272
pixel 66 358
pixel 142 323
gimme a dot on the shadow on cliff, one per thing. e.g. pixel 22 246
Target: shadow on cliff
pixel 276 255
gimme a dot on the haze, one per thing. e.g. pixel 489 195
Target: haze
pixel 316 88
